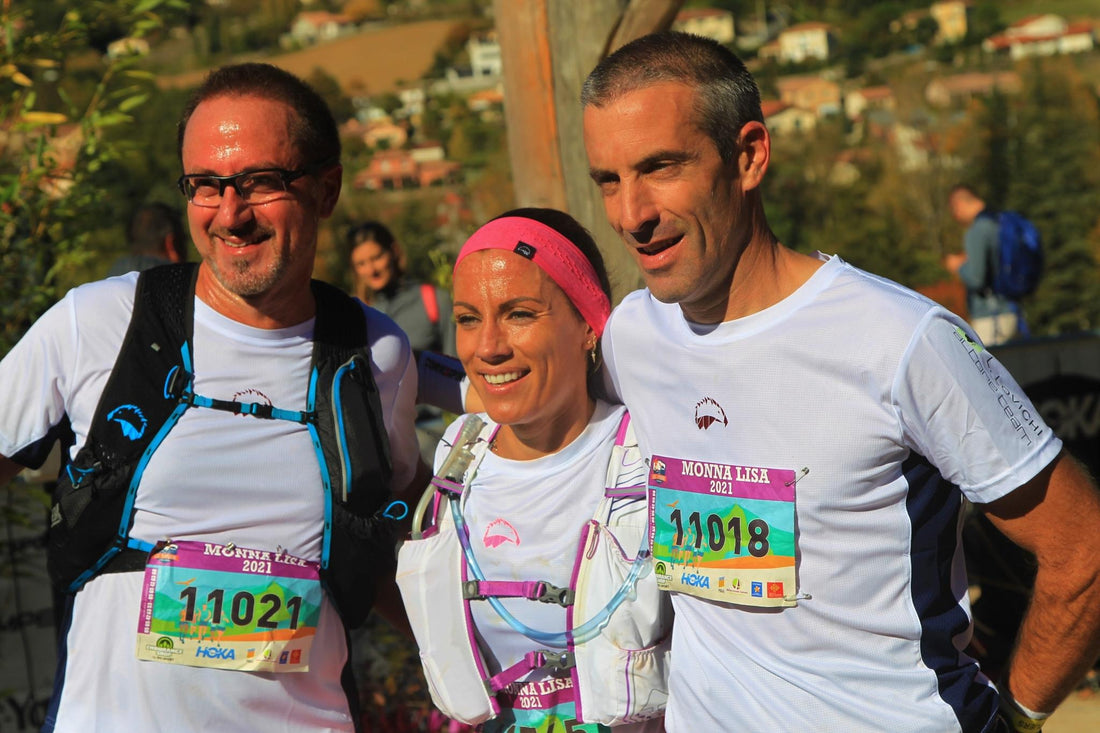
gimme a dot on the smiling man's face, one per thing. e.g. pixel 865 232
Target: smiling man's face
pixel 254 252
pixel 677 205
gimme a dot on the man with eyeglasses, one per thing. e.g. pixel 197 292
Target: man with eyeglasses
pixel 253 522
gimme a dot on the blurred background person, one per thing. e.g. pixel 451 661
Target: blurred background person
pixel 422 310
pixel 155 237
pixel 992 315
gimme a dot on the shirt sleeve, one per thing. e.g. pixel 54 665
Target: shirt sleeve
pixel 51 379
pixel 607 382
pixel 961 409
pixel 446 324
pixel 395 373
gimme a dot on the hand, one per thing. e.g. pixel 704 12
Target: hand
pixel 954 261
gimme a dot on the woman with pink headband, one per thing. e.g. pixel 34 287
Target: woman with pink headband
pixel 527 579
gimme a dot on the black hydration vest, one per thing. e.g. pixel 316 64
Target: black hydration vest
pixel 150 387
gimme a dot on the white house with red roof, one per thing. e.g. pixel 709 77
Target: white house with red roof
pixel 1043 35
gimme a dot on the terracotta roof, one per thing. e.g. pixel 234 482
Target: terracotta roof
pixel 772 106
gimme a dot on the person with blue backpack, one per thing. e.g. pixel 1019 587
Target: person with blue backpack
pixel 1001 264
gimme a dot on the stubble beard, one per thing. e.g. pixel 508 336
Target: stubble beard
pixel 247 279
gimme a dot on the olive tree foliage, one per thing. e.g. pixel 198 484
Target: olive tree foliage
pixel 59 96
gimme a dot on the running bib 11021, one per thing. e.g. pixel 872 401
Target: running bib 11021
pixel 723 532
pixel 227 607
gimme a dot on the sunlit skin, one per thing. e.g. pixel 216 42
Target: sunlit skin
pixel 525 350
pixel 694 224
pixel 256 258
pixel 373 265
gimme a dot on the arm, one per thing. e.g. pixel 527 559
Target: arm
pixel 8 469
pixel 1056 516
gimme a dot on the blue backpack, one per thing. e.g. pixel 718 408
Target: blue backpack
pixel 1019 256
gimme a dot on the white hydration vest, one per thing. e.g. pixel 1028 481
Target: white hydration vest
pixel 616 649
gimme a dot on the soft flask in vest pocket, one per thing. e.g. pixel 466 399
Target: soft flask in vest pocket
pixel 430 575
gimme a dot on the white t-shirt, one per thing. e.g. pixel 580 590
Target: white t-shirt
pixel 525 520
pixel 876 392
pixel 218 477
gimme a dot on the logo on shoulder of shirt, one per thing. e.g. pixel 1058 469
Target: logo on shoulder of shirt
pixel 709 412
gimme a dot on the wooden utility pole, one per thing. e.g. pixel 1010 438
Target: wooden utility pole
pixel 548 48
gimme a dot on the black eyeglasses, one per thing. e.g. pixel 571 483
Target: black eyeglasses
pixel 254 187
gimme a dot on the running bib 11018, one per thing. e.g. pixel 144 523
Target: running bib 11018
pixel 227 607
pixel 723 532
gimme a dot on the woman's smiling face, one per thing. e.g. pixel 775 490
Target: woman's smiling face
pixel 523 345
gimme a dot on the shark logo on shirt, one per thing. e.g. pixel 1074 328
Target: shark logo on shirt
pixel 708 412
pixel 498 532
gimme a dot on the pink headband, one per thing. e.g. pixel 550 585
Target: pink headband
pixel 554 254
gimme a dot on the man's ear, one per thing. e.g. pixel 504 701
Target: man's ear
pixel 754 145
pixel 171 248
pixel 331 179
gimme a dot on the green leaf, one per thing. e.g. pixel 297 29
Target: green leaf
pixel 110 119
pixel 146 6
pixel 136 101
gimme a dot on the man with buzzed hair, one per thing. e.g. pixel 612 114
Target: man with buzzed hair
pixel 813 433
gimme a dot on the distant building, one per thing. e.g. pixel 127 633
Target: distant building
pixel 314 26
pixel 388 170
pixel 805 42
pixel 427 151
pixel 1042 35
pixel 485 57
pixel 393 170
pixel 783 120
pixel 819 96
pixel 484 99
pixel 860 100
pixel 961 88
pixel 412 99
pixel 951 17
pixel 385 134
pixel 711 23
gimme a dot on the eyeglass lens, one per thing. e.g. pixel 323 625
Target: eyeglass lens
pixel 253 187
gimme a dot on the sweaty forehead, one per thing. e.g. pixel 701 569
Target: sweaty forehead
pixel 500 275
pixel 238 131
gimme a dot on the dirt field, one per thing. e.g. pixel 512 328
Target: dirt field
pixel 371 61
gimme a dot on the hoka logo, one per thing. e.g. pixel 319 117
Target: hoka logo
pixel 215 652
pixel 694 580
